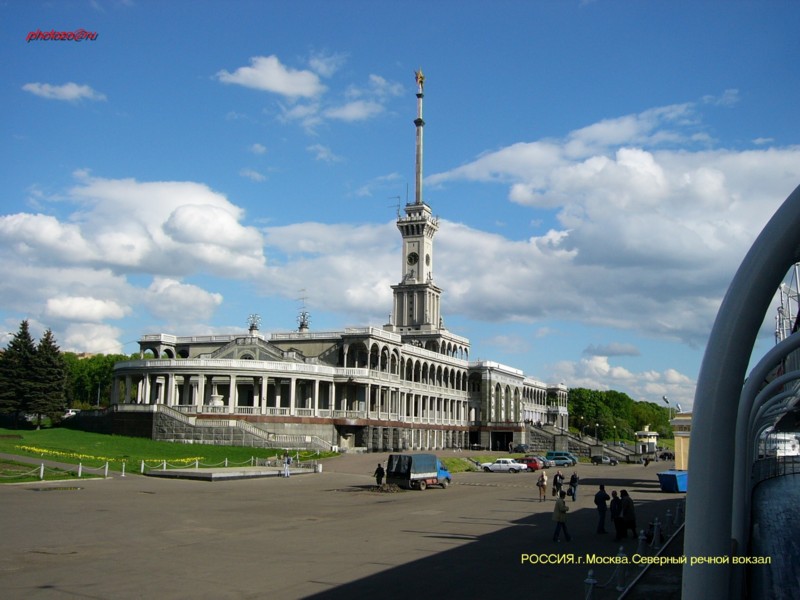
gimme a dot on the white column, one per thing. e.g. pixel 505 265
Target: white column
pixel 292 391
pixel 232 395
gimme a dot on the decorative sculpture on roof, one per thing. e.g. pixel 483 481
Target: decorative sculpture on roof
pixel 420 79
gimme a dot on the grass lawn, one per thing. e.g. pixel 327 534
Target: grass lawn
pixel 94 450
pixel 15 472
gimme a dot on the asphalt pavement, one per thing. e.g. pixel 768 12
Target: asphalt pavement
pixel 317 535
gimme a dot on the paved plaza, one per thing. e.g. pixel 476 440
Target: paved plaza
pixel 320 535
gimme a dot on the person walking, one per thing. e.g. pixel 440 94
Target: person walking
pixel 615 508
pixel 560 517
pixel 628 515
pixel 379 473
pixel 600 499
pixel 541 483
pixel 573 486
pixel 558 482
pixel 287 463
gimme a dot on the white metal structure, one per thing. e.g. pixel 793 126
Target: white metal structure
pixel 730 409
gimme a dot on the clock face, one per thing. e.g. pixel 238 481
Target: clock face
pixel 428 259
pixel 412 258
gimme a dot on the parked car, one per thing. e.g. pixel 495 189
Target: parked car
pixel 504 465
pixel 531 462
pixel 667 456
pixel 604 460
pixel 546 462
pixel 562 458
pixel 521 448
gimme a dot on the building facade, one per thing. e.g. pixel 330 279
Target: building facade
pixel 408 385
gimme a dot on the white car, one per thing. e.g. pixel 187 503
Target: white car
pixel 504 465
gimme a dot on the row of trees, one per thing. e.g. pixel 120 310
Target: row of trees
pixel 32 376
pixel 40 380
pixel 616 414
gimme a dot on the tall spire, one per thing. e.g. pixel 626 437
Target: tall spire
pixel 420 79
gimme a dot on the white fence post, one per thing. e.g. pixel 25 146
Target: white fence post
pixel 588 585
pixel 41 471
pixel 80 470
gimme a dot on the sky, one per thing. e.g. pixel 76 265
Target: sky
pixel 599 168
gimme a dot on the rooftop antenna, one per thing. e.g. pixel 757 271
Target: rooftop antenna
pixel 397 206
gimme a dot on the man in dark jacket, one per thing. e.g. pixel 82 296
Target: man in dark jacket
pixel 628 515
pixel 615 507
pixel 379 473
pixel 600 499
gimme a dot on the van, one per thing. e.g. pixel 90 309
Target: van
pixel 562 458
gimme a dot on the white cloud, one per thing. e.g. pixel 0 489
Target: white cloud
pixel 648 236
pixel 165 227
pixel 359 110
pixel 82 308
pixel 268 74
pixel 252 174
pixel 92 337
pixel 382 182
pixel 327 64
pixel 70 92
pixel 729 97
pixel 612 349
pixel 323 153
pixel 179 303
pixel 258 149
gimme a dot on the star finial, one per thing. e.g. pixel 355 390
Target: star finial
pixel 420 79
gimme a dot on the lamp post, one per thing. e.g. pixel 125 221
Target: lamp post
pixel 615 435
pixel 596 439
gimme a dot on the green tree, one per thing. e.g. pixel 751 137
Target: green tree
pixel 49 373
pixel 611 409
pixel 16 373
pixel 90 379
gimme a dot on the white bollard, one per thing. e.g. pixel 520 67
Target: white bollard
pixel 80 470
pixel 123 468
pixel 588 585
pixel 656 543
pixel 142 468
pixel 622 571
pixel 41 471
pixel 164 465
pixel 642 549
pixel 105 473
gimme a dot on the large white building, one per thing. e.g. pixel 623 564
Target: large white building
pixel 408 385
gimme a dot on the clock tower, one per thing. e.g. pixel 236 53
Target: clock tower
pixel 417 301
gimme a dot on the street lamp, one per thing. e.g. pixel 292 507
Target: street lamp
pixel 615 435
pixel 597 440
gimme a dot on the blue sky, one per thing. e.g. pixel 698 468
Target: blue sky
pixel 599 168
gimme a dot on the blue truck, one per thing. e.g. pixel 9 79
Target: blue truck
pixel 417 471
